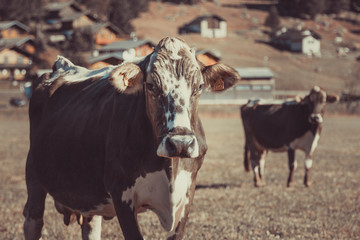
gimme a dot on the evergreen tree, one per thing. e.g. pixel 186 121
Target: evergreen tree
pixel 272 20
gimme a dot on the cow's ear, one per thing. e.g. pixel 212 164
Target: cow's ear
pixel 127 78
pixel 330 98
pixel 220 76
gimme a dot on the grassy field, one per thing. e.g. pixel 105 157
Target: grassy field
pixel 226 204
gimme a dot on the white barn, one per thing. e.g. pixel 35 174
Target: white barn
pixel 209 26
pixel 307 42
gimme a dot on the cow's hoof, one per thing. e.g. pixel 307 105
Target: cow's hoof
pixel 308 184
pixel 260 184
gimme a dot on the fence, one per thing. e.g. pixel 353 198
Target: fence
pixel 240 96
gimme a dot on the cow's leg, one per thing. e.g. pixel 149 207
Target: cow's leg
pixel 127 219
pixel 180 229
pixel 91 228
pixel 258 166
pixel 246 157
pixel 292 166
pixel 34 210
pixel 308 165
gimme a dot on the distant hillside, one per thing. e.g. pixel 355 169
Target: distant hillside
pixel 244 45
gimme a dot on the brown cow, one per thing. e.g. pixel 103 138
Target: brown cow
pixel 283 127
pixel 119 140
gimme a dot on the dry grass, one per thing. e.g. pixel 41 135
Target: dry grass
pixel 226 204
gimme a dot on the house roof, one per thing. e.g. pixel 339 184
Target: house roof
pixel 96 27
pixel 9 24
pixel 13 42
pixel 123 45
pixel 294 34
pixel 74 16
pixel 197 22
pixel 255 73
pixel 105 56
pixel 215 54
pixel 205 17
pixel 58 6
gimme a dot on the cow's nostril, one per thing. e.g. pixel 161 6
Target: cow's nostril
pixel 170 146
pixel 191 143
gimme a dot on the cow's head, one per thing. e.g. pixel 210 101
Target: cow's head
pixel 316 101
pixel 173 81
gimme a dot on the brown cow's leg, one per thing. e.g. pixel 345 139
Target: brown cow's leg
pixel 34 211
pixel 127 220
pixel 308 165
pixel 292 166
pixel 246 157
pixel 258 165
pixel 91 228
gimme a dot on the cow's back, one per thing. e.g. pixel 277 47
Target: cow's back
pixel 274 125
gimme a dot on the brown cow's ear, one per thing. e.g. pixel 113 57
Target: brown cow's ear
pixel 127 78
pixel 330 98
pixel 220 76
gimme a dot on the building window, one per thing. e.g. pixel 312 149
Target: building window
pixel 23 72
pixel 243 87
pixel 257 87
pixel 4 71
pixel 266 87
pixel 6 59
pixel 20 59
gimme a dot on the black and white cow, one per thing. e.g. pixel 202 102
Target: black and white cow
pixel 119 140
pixel 283 127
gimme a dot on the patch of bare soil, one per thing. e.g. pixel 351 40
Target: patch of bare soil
pixel 226 205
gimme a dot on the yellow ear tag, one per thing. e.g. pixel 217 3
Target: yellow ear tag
pixel 219 85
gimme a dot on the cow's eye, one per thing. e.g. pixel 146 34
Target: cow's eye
pixel 150 87
pixel 198 89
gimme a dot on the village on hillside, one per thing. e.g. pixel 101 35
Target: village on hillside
pixel 70 28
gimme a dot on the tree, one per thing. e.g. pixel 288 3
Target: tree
pixel 310 8
pixel 119 12
pixel 272 20
pixel 21 10
pixel 335 6
pixel 289 7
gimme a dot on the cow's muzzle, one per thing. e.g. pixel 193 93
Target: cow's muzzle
pixel 177 145
pixel 316 118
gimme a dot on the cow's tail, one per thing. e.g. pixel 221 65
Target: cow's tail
pixel 246 158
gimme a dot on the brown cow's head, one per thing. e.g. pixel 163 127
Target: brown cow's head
pixel 316 100
pixel 173 83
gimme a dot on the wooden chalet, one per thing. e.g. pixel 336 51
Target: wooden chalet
pixel 208 57
pixel 106 33
pixel 15 58
pixel 131 50
pixel 54 12
pixel 256 82
pixel 209 26
pixel 106 59
pixel 13 29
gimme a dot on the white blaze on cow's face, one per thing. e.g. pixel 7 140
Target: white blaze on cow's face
pixel 317 102
pixel 173 85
